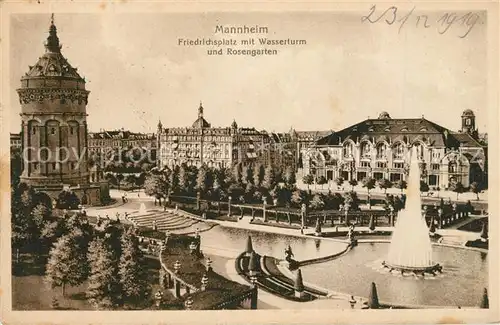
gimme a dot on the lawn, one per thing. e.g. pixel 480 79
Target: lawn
pixel 29 292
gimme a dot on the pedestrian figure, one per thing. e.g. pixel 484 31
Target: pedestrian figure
pixel 164 208
pixel 139 194
pixel 352 301
pixel 301 230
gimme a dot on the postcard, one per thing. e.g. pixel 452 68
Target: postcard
pixel 272 162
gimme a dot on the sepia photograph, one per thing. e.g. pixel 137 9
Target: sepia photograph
pixel 321 161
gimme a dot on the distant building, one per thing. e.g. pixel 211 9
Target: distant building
pixel 378 148
pixel 15 141
pixel 201 143
pixel 105 141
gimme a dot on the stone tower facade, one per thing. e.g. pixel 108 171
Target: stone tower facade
pixel 469 122
pixel 54 120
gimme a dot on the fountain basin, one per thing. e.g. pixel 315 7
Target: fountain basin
pixel 417 270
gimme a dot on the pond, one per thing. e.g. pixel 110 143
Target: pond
pixel 465 272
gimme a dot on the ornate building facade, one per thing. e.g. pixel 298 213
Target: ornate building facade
pixel 379 148
pixel 201 143
pixel 53 102
pixel 222 147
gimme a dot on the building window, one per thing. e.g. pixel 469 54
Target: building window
pixel 452 167
pixel 381 164
pixel 468 122
pixel 366 149
pixel 71 130
pixel 35 166
pixel 53 166
pixel 398 151
pixel 381 151
pixel 347 149
pixel 34 130
pixel 399 165
pixel 365 164
pixel 52 131
pixel 72 165
pixel 435 166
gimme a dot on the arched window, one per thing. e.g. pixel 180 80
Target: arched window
pixel 398 151
pixel 366 149
pixel 420 150
pixel 52 130
pixel 452 167
pixel 382 150
pixel 348 149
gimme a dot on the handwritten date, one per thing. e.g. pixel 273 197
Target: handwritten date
pixel 394 16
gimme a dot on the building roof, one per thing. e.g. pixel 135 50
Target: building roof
pixel 394 130
pixel 121 134
pixel 52 65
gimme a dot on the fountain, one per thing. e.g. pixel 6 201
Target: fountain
pixel 411 249
pixel 142 209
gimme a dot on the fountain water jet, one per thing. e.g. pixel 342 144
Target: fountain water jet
pixel 411 248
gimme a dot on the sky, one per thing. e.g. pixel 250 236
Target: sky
pixel 348 70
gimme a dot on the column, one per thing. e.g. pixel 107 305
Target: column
pixel 253 299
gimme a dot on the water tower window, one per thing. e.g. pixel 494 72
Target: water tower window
pixel 52 131
pixel 468 121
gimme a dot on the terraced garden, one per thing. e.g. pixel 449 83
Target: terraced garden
pixel 172 222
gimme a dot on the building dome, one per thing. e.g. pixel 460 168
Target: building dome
pixel 52 68
pixel 52 78
pixel 384 116
pixel 468 112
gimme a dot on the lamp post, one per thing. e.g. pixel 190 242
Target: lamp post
pixel 391 208
pixel 264 200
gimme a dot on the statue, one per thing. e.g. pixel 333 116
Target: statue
pixel 288 254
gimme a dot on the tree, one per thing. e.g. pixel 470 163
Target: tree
pixel 110 178
pixel 289 177
pixel 247 175
pixel 183 178
pixel 132 271
pixel 258 174
pixel 317 202
pixel 269 181
pixel 237 173
pixel 457 187
pixel 384 184
pixel 351 199
pixel 104 283
pixel 299 197
pixel 371 225
pixel 401 184
pixel 321 181
pixel 202 180
pixel 67 200
pixel 339 181
pixel 308 179
pixel 369 183
pixel 476 189
pixel 66 264
pixel 119 178
pixel 155 186
pixel 424 187
pixel 353 183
